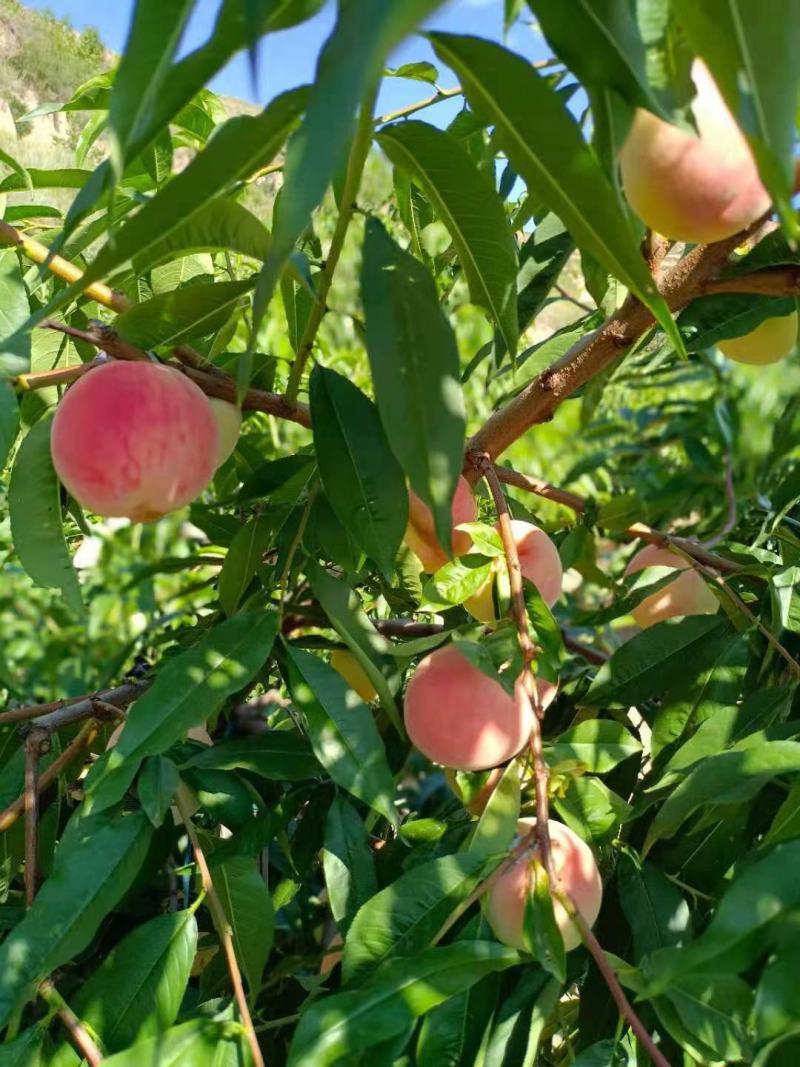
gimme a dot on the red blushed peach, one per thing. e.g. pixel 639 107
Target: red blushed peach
pixel 540 564
pixel 689 187
pixel 574 867
pixel 687 595
pixel 460 717
pixel 229 423
pixel 770 342
pixel 421 536
pixel 346 665
pixel 134 440
pixel 480 799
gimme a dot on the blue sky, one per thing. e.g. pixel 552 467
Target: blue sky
pixel 288 58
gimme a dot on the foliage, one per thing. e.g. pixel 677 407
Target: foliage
pixel 405 282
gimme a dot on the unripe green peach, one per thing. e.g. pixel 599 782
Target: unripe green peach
pixel 229 423
pixel 134 439
pixel 540 563
pixel 421 536
pixel 574 868
pixel 688 594
pixel 346 664
pixel 693 187
pixel 460 717
pixel 770 342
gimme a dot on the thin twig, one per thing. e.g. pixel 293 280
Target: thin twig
pixel 75 1028
pixel 37 743
pixel 412 109
pixel 223 929
pixel 352 183
pixel 730 496
pixel 79 707
pixel 562 292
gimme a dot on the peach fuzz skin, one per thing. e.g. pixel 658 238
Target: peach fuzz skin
pixel 134 440
pixel 687 187
pixel 459 717
pixel 687 595
pixel 229 423
pixel 540 564
pixel 770 342
pixel 575 867
pixel 421 536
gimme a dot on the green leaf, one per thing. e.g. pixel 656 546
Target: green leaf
pixel 362 479
pixel 715 1009
pixel 9 420
pixel 220 223
pixel 653 907
pixel 415 370
pixel 541 260
pixel 348 863
pixel 457 581
pixel 333 1026
pixel 540 927
pixel 497 825
pixel 187 690
pixel 350 61
pixel 777 1005
pixel 15 342
pixel 157 785
pixel 544 143
pixel 712 319
pixel 422 71
pixel 24 1051
pixel 35 510
pixel 786 823
pixel 520 1020
pixel 173 317
pixel 342 731
pixel 153 38
pixel 277 755
pixel 598 744
pixel 137 990
pixel 198 1043
pixel 591 809
pixel 57 178
pixel 723 779
pixel 405 916
pixel 243 559
pixel 752 60
pixel 248 908
pixel 97 860
pixel 371 649
pixel 647 664
pixel 617 56
pixel 470 208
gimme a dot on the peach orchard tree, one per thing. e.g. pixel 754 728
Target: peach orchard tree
pixel 334 731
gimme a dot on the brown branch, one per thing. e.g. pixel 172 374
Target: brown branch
pixel 71 709
pixel 37 743
pixel 539 400
pixel 75 1028
pixel 222 927
pixel 772 281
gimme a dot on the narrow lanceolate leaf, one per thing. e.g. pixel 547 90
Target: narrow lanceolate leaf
pixel 415 369
pixel 153 39
pixel 723 779
pixel 598 744
pixel 653 906
pixel 15 344
pixel 173 317
pixel 248 907
pixel 98 859
pixel 348 862
pixel 520 1020
pixel 275 754
pixel 652 661
pixel 752 59
pixel 24 1051
pixel 187 690
pixel 617 56
pixel 218 224
pixel 468 204
pixel 35 509
pixel 137 990
pixel 351 59
pixel 198 1043
pixel 157 785
pixel 544 143
pixel 243 559
pixel 348 1022
pixel 362 478
pixel 342 731
pixel 405 916
pixel 498 822
pixel 9 420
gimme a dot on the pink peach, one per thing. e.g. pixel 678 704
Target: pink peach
pixel 687 595
pixel 421 536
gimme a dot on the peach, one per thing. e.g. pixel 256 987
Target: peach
pixel 693 187
pixel 770 342
pixel 479 799
pixel 460 717
pixel 687 595
pixel 346 664
pixel 134 440
pixel 575 869
pixel 540 564
pixel 229 423
pixel 332 956
pixel 421 536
